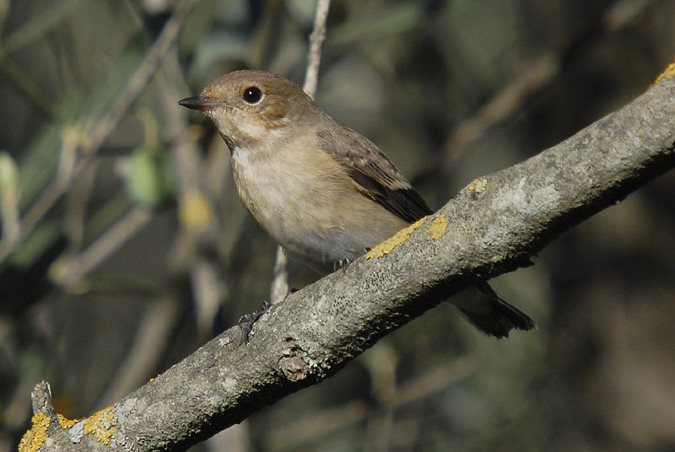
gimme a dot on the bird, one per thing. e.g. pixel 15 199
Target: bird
pixel 324 192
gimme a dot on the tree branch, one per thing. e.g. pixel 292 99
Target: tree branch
pixel 493 226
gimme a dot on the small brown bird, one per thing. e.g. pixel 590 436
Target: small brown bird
pixel 324 192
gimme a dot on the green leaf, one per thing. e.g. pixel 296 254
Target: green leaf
pixel 151 178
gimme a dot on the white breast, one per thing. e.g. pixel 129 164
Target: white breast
pixel 308 204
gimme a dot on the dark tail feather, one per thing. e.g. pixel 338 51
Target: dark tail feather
pixel 495 316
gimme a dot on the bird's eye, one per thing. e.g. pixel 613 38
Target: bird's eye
pixel 253 95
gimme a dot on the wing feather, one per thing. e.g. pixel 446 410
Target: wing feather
pixel 374 175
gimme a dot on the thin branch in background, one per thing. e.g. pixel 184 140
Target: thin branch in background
pixel 316 426
pixel 9 199
pixel 382 366
pixel 70 270
pixel 62 180
pixel 50 17
pixel 154 331
pixel 208 290
pixel 618 16
pixel 23 85
pixel 624 12
pixel 102 128
pixel 137 83
pixel 77 201
pixel 501 106
pixel 279 288
pixel 207 293
pixel 316 40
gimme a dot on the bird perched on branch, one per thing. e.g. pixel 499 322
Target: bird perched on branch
pixel 324 192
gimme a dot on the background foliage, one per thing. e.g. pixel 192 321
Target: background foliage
pixel 139 251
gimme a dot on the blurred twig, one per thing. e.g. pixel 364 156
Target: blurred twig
pixel 314 426
pixel 382 367
pixel 39 26
pixel 89 142
pixel 533 79
pixel 148 348
pixel 394 20
pixel 77 199
pixel 279 287
pixel 501 106
pixel 23 85
pixel 192 189
pixel 70 270
pixel 36 28
pixel 624 12
pixel 9 198
pixel 137 83
pixel 316 40
pixel 61 181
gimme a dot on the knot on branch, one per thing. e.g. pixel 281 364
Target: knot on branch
pixel 293 364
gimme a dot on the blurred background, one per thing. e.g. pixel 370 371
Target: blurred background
pixel 124 248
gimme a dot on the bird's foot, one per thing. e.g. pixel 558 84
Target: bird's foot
pixel 342 263
pixel 246 321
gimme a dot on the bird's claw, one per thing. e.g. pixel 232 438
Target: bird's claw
pixel 342 263
pixel 246 321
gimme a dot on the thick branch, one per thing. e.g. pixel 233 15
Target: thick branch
pixel 494 226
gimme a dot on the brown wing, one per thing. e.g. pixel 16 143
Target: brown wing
pixel 373 173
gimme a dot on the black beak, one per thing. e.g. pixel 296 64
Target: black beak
pixel 196 103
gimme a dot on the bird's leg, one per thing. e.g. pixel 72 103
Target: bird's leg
pixel 342 263
pixel 246 321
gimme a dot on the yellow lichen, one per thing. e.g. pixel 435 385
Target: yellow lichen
pixel 32 440
pixel 388 245
pixel 478 185
pixel 438 227
pixel 668 73
pixel 65 422
pixel 101 425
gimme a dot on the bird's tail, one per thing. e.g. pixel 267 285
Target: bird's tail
pixel 493 315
